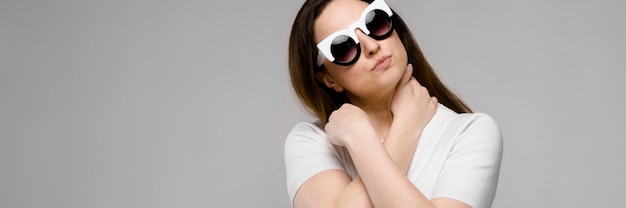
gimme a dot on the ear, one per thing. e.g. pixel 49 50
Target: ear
pixel 329 81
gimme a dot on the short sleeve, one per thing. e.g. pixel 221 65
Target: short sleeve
pixel 471 172
pixel 307 152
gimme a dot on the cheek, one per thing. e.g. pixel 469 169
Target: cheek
pixel 340 74
pixel 399 49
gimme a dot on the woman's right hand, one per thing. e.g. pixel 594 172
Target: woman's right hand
pixel 347 124
pixel 412 104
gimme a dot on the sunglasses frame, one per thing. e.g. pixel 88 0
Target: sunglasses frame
pixel 325 45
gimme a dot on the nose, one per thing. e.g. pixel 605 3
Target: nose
pixel 369 45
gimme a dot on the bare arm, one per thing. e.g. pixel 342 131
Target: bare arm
pixel 383 167
pixel 334 188
pixel 381 184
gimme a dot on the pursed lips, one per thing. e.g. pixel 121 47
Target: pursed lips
pixel 382 63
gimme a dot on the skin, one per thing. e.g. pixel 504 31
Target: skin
pixel 386 104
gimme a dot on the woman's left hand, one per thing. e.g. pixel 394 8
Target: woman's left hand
pixel 412 104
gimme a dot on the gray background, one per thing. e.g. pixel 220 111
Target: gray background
pixel 187 103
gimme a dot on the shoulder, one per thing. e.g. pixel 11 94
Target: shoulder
pixel 466 132
pixel 469 119
pixel 306 137
pixel 479 124
pixel 478 120
pixel 478 135
pixel 306 131
pixel 305 126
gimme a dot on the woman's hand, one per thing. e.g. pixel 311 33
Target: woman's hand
pixel 348 123
pixel 411 102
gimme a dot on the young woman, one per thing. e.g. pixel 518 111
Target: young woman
pixel 389 134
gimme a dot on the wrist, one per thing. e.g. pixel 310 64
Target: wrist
pixel 405 125
pixel 362 141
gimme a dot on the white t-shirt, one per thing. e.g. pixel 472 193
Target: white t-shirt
pixel 458 156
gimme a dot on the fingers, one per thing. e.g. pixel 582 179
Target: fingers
pixel 408 74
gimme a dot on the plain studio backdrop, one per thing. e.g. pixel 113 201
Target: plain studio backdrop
pixel 187 103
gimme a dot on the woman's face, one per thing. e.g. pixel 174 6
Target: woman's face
pixel 381 63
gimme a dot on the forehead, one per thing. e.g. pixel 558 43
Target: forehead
pixel 337 15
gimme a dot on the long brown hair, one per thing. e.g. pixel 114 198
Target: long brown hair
pixel 321 100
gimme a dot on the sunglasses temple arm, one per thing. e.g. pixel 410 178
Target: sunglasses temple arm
pixel 320 58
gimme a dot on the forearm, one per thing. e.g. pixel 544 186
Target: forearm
pixel 385 164
pixel 382 169
pixel 354 195
pixel 401 143
pixel 383 182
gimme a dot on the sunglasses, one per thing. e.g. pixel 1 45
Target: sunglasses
pixel 343 48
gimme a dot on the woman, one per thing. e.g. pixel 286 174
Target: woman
pixel 381 139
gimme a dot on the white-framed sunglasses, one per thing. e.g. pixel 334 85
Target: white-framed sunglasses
pixel 343 47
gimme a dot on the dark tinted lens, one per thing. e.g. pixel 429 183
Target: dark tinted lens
pixel 378 23
pixel 344 49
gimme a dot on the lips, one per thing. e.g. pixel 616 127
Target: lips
pixel 382 63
